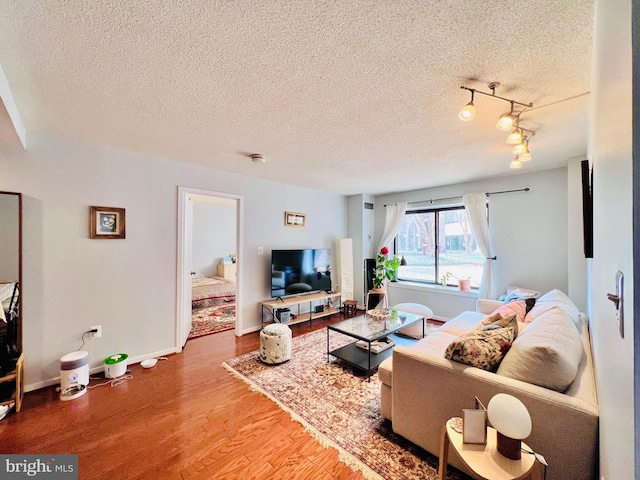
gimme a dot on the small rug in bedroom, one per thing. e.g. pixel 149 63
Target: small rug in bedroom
pixel 206 321
pixel 338 408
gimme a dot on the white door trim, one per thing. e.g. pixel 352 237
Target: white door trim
pixel 183 237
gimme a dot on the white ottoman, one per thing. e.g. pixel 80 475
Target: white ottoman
pixel 275 343
pixel 414 330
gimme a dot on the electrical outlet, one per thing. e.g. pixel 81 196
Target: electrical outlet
pixel 260 250
pixel 97 334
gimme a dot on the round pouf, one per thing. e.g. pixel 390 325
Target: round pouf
pixel 275 343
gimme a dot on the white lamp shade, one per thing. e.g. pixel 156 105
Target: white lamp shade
pixel 520 148
pixel 515 138
pixel 525 157
pixel 515 163
pixel 505 122
pixel 509 416
pixel 468 112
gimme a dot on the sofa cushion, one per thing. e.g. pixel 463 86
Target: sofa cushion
pixel 555 298
pixel 484 348
pixel 462 323
pixel 547 353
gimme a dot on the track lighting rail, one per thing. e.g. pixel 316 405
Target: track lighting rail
pixel 493 95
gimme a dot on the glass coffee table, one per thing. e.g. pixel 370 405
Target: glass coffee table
pixel 372 345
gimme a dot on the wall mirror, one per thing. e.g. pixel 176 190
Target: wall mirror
pixel 10 281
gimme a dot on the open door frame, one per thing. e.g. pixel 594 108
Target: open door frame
pixel 183 303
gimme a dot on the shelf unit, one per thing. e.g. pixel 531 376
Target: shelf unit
pixel 269 307
pixel 17 377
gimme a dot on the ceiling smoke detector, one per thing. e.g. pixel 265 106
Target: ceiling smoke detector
pixel 258 158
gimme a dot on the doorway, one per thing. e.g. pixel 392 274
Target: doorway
pixel 188 265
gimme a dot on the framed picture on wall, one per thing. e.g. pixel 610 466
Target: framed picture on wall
pixel 106 222
pixel 294 219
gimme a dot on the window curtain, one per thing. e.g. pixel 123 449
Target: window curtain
pixel 476 206
pixel 395 214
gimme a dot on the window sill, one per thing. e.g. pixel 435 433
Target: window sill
pixel 454 291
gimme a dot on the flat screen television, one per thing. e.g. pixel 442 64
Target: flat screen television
pixel 294 272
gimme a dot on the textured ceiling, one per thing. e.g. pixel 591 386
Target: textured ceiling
pixel 348 97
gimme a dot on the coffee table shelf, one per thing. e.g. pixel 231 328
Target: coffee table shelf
pixel 359 357
pixel 366 329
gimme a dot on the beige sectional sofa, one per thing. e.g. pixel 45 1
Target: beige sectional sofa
pixel 421 390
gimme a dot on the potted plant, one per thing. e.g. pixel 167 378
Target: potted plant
pixel 464 284
pixel 386 269
pixel 444 280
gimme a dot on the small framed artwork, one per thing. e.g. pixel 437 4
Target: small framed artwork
pixel 107 222
pixel 474 424
pixel 294 219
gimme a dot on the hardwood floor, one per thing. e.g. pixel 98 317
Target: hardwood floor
pixel 185 418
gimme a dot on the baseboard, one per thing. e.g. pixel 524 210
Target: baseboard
pixel 98 369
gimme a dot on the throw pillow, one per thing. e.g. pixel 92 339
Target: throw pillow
pixel 517 308
pixel 484 348
pixel 547 353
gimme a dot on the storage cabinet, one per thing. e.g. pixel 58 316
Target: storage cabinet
pixel 228 271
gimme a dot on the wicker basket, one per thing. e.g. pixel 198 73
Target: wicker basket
pixel 379 314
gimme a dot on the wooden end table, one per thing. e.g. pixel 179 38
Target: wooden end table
pixel 483 460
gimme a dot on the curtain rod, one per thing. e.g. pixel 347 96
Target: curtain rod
pixel 460 196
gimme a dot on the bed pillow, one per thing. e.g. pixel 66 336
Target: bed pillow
pixel 484 348
pixel 547 353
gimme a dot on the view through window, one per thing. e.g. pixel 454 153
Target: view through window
pixel 438 247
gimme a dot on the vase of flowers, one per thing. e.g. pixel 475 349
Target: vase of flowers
pixel 386 269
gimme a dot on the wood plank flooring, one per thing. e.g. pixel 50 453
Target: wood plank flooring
pixel 186 418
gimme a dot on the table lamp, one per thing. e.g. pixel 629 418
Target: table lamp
pixel 511 419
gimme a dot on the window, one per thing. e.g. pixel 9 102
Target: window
pixel 437 242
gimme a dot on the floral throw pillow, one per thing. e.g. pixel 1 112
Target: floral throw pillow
pixel 484 348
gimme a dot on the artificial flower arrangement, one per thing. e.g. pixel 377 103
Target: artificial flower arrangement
pixel 386 269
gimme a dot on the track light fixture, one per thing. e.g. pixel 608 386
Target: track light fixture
pixel 469 111
pixel 507 121
pixel 515 138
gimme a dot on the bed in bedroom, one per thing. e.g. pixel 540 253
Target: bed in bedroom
pixel 212 292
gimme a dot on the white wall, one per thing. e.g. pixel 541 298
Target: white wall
pixel 528 233
pixel 611 154
pixel 214 236
pixel 129 286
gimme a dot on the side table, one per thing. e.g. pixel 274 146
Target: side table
pixel 483 460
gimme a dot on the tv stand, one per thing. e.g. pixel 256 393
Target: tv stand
pixel 269 307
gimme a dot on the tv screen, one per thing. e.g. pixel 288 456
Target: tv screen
pixel 295 272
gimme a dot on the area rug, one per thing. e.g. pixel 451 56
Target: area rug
pixel 206 321
pixel 338 407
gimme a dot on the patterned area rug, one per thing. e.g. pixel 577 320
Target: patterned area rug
pixel 338 407
pixel 206 321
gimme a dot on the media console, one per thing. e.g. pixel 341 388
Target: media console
pixel 270 307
